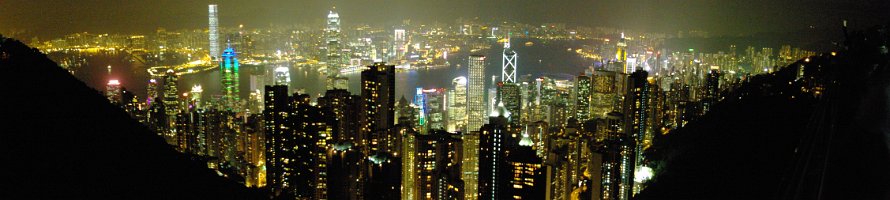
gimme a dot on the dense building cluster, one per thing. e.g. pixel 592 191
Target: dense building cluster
pixel 521 136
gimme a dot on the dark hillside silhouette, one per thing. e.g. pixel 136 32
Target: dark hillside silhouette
pixel 775 137
pixel 63 140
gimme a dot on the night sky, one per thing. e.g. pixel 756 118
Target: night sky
pixel 52 18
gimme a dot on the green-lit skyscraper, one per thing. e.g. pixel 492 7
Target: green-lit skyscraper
pixel 228 68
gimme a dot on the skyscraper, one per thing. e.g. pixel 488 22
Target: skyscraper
pixel 475 119
pixel 311 133
pixel 621 55
pixel 195 96
pixel 527 179
pixel 476 93
pixel 712 89
pixel 457 108
pixel 636 105
pixel 113 91
pixel 229 70
pixel 335 59
pixel 282 76
pixel 508 66
pixel 171 105
pixel 214 33
pixel 603 93
pixel 278 135
pixel 400 42
pixel 432 165
pixel 583 89
pixel 492 182
pixel 433 109
pixel 151 92
pixel 378 110
pixel 344 108
pixel 509 95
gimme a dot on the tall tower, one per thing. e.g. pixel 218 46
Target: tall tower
pixel 195 96
pixel 113 92
pixel 230 81
pixel 476 93
pixel 636 105
pixel 621 55
pixel 712 89
pixel 492 151
pixel 475 119
pixel 278 133
pixel 171 105
pixel 457 110
pixel 583 89
pixel 214 33
pixel 378 109
pixel 400 40
pixel 335 58
pixel 509 64
pixel 151 92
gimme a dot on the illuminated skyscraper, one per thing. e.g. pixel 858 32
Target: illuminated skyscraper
pixel 617 170
pixel 344 108
pixel 527 179
pixel 335 59
pixel 433 110
pixel 310 153
pixel 282 76
pixel 421 112
pixel 476 93
pixel 113 92
pixel 475 119
pixel 214 33
pixel 400 42
pixel 604 93
pixel 171 105
pixel 229 70
pixel 195 96
pixel 410 165
pixel 432 166
pixel 378 110
pixel 492 182
pixel 151 92
pixel 621 54
pixel 171 94
pixel 636 106
pixel 509 95
pixel 457 105
pixel 277 133
pixel 583 89
pixel 508 66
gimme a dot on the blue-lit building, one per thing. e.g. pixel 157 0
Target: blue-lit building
pixel 229 70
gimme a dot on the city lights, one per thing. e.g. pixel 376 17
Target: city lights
pixel 587 100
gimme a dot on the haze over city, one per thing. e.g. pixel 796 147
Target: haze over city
pixel 435 100
pixel 721 17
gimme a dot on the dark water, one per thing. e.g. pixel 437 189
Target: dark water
pixel 549 58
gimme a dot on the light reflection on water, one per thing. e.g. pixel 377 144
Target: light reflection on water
pixel 543 59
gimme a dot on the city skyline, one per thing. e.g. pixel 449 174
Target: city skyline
pixel 376 106
pixel 666 17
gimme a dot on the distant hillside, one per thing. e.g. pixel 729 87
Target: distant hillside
pixel 807 39
pixel 775 138
pixel 63 140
